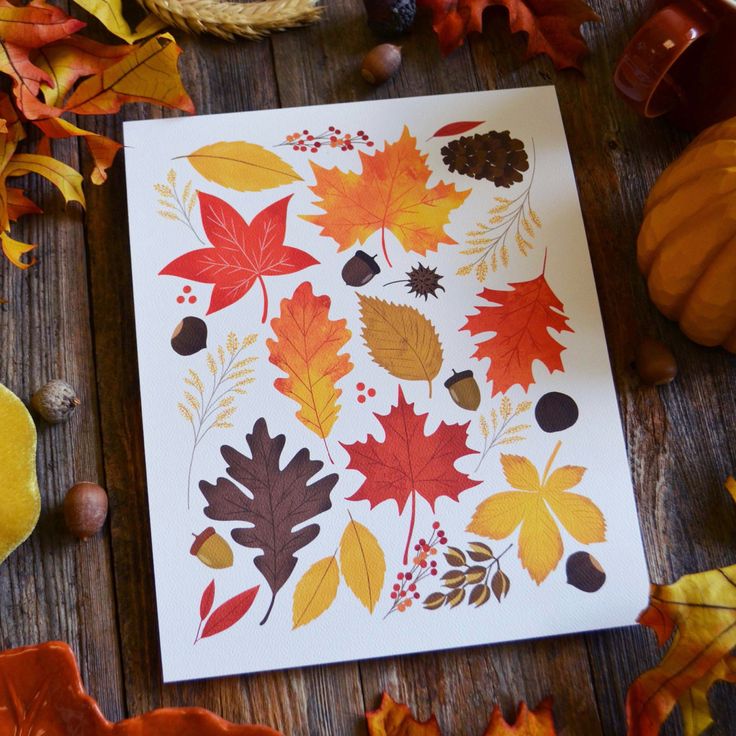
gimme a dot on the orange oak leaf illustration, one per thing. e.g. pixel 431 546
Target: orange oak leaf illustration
pixel 521 319
pixel 531 505
pixel 395 719
pixel 42 693
pixel 700 609
pixel 408 462
pixel 390 195
pixel 241 254
pixel 552 26
pixel 306 348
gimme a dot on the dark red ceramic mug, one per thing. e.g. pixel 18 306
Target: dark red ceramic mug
pixel 682 62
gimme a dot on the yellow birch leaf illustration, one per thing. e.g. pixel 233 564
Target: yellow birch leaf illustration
pixel 401 340
pixel 306 349
pixel 315 592
pixel 537 504
pixel 242 166
pixel 363 563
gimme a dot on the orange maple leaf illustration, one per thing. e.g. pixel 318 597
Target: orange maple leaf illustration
pixel 390 194
pixel 521 319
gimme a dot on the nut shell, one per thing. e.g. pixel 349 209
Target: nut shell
pixel 189 336
pixel 381 63
pixel 55 401
pixel 85 509
pixel 584 572
pixel 655 363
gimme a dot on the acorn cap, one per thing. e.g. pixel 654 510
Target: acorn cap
pixel 455 377
pixel 370 261
pixel 200 539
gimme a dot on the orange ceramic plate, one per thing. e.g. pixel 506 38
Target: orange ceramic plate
pixel 41 692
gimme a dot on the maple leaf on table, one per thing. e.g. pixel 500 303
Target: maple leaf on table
pixel 521 320
pixel 407 462
pixel 552 26
pixel 241 254
pixel 280 499
pixel 531 505
pixel 700 610
pixel 390 194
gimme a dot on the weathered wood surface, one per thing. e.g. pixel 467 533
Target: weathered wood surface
pixel 72 316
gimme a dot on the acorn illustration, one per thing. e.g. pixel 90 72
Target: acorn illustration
pixel 189 336
pixel 464 390
pixel 556 411
pixel 360 269
pixel 584 572
pixel 211 549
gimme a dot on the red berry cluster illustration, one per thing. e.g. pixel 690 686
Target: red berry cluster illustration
pixel 404 590
pixel 186 296
pixel 360 386
pixel 331 138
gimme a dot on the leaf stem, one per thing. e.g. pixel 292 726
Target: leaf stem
pixel 548 466
pixel 265 300
pixel 411 523
pixel 383 246
pixel 327 450
pixel 268 612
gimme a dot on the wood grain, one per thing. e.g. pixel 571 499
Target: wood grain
pixel 72 315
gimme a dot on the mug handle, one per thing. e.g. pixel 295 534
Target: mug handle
pixel 642 74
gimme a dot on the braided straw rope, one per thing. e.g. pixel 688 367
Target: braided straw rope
pixel 230 19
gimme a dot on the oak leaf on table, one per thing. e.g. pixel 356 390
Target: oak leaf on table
pixel 395 719
pixel 408 463
pixel 520 319
pixel 552 26
pixel 389 195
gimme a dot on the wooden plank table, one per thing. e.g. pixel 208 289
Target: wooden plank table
pixel 72 316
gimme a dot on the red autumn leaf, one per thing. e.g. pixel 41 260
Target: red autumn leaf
pixel 552 26
pixel 395 719
pixel 241 254
pixel 408 462
pixel 462 126
pixel 230 612
pixel 208 598
pixel 23 29
pixel 521 319
pixel 18 204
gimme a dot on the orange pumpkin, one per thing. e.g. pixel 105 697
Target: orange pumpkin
pixel 687 244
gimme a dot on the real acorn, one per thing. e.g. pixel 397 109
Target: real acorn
pixel 55 401
pixel 189 336
pixel 211 549
pixel 584 572
pixel 360 269
pixel 464 390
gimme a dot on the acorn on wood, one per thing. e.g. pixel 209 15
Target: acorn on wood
pixel 584 572
pixel 360 269
pixel 211 549
pixel 189 336
pixel 55 401
pixel 381 63
pixel 464 390
pixel 655 363
pixel 85 509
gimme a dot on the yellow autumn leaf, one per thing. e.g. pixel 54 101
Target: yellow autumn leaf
pixel 306 348
pixel 315 592
pixel 363 563
pixel 242 166
pixel 110 14
pixel 731 486
pixel 14 249
pixel 66 179
pixel 537 504
pixel 401 340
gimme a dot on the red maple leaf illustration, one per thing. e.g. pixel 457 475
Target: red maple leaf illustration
pixel 521 319
pixel 241 254
pixel 409 462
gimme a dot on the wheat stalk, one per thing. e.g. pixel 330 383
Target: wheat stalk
pixel 231 19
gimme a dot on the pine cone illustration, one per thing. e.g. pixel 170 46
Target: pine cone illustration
pixel 494 156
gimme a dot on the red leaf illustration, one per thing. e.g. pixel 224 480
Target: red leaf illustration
pixel 208 598
pixel 462 126
pixel 241 254
pixel 521 319
pixel 229 613
pixel 409 462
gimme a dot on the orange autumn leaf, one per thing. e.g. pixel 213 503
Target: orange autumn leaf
pixel 395 719
pixel 306 348
pixel 390 195
pixel 552 26
pixel 519 321
pixel 700 610
pixel 18 204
